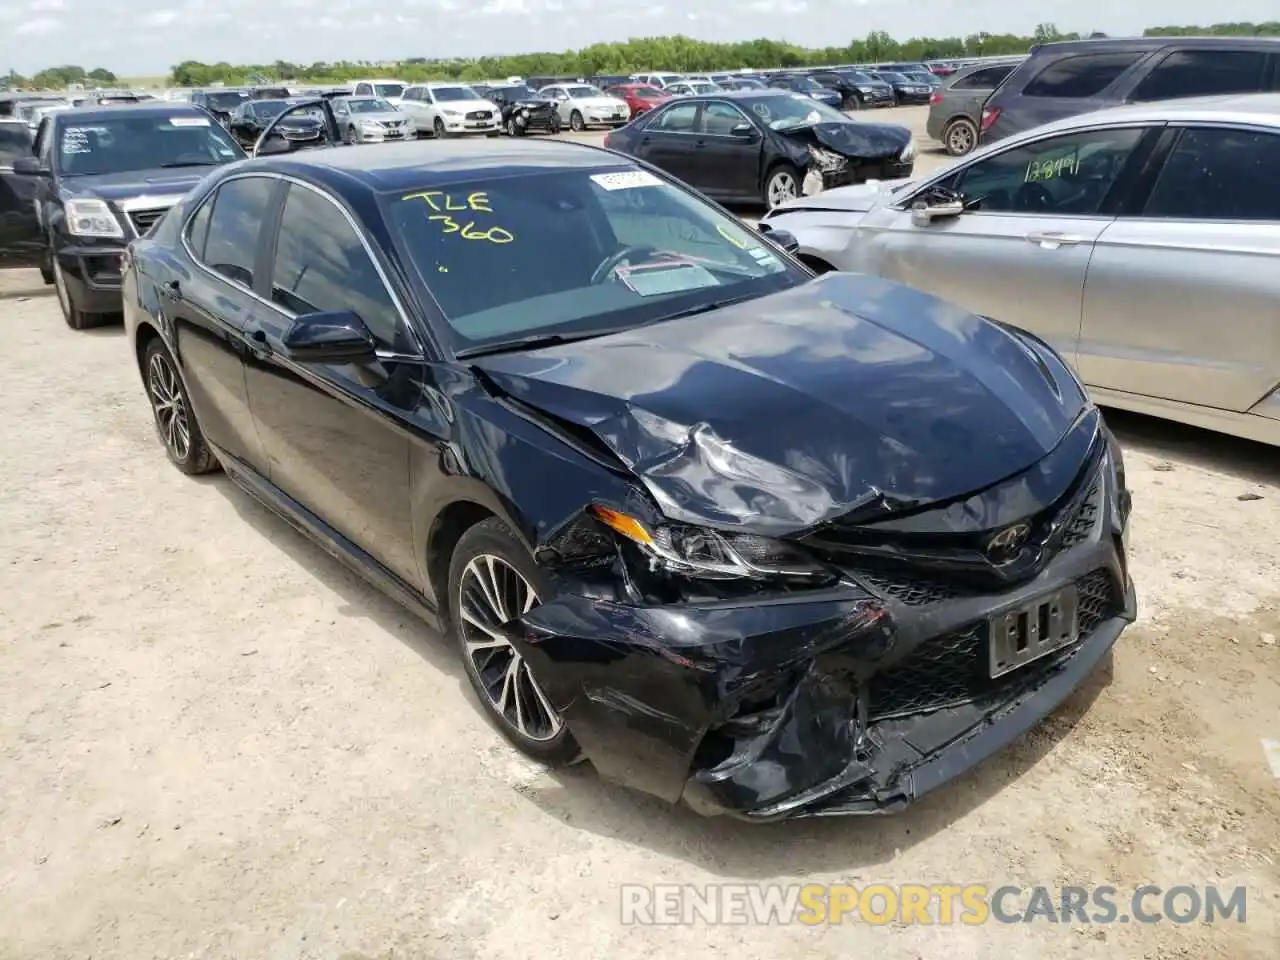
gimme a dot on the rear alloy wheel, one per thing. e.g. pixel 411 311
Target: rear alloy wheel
pixel 782 184
pixel 960 137
pixel 76 318
pixel 439 130
pixel 576 123
pixel 175 420
pixel 493 580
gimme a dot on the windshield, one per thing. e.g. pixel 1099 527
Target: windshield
pixel 858 76
pixel 578 93
pixel 15 142
pixel 704 86
pixel 389 89
pixel 575 250
pixel 371 105
pixel 646 92
pixel 784 112
pixel 893 77
pixel 453 94
pixel 123 144
pixel 226 101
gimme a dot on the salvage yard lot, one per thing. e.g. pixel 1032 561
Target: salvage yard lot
pixel 215 742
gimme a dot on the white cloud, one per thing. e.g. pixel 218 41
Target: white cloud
pixel 258 31
pixel 38 27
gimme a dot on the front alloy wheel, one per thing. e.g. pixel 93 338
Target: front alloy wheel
pixel 490 593
pixel 438 129
pixel 576 123
pixel 782 185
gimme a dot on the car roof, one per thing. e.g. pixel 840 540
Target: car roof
pixel 146 108
pixel 1142 43
pixel 418 164
pixel 1256 108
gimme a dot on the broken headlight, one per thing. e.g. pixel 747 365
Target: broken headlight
pixel 826 160
pixel 908 152
pixel 703 553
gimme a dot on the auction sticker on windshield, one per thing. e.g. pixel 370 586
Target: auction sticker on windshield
pixel 626 181
pixel 188 122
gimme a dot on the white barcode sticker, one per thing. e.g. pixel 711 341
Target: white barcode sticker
pixel 626 180
pixel 188 122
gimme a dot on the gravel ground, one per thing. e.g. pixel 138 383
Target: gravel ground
pixel 216 743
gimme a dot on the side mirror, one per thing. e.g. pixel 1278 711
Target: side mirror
pixel 783 238
pixel 30 167
pixel 924 212
pixel 743 130
pixel 273 144
pixel 330 336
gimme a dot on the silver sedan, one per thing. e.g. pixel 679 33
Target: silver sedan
pixel 369 120
pixel 1143 242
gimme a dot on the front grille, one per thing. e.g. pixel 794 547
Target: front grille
pixel 1078 528
pixel 914 591
pixel 480 115
pixel 952 669
pixel 144 220
pixel 300 134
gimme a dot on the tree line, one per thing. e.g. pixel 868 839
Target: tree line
pixel 59 78
pixel 677 53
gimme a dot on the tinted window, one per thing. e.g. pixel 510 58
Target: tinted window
pixel 1194 73
pixel 1077 77
pixel 198 228
pixel 575 249
pixel 1068 174
pixel 721 118
pixel 238 210
pixel 322 265
pixel 1220 174
pixel 679 118
pixel 986 79
pixel 15 142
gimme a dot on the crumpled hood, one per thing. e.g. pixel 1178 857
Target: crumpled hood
pixel 134 183
pixel 859 198
pixel 783 412
pixel 855 139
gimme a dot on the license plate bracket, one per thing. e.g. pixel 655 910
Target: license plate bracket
pixel 1036 629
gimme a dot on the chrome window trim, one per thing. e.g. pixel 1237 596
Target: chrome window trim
pixel 289 314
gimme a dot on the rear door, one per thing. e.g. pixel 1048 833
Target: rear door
pixel 1182 301
pixel 329 430
pixel 21 239
pixel 1021 253
pixel 1061 87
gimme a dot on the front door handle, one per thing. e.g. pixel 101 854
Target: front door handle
pixel 1052 240
pixel 699 144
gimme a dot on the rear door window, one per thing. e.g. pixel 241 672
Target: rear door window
pixel 986 79
pixel 1075 78
pixel 1219 174
pixel 1196 73
pixel 15 142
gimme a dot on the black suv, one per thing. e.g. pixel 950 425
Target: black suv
pixel 1079 76
pixel 95 179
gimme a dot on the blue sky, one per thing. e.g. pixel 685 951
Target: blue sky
pixel 150 38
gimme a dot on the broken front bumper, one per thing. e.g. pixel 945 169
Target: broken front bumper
pixel 810 704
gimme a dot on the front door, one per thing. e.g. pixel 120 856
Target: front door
pixel 331 442
pixel 213 310
pixel 1183 301
pixel 1020 253
pixel 21 239
pixel 667 141
pixel 721 157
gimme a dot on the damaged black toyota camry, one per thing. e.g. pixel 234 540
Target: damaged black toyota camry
pixel 769 544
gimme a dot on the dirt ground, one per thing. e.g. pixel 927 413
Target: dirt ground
pixel 216 743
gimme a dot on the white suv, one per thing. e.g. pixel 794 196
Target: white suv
pixel 390 90
pixel 450 109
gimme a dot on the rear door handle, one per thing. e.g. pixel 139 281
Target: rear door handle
pixel 172 290
pixel 699 144
pixel 1053 239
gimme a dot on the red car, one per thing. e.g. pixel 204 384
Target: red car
pixel 640 97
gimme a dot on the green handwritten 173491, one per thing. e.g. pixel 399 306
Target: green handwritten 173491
pixel 446 205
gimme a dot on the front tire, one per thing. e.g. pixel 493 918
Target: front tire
pixel 854 103
pixel 176 423
pixel 75 318
pixel 576 123
pixel 438 129
pixel 492 580
pixel 782 184
pixel 960 137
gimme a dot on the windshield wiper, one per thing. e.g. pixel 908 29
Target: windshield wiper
pixel 190 163
pixel 707 307
pixel 531 342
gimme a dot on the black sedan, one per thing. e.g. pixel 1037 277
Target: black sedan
pixel 96 178
pixel 251 118
pixel 775 545
pixel 906 90
pixel 764 145
pixel 524 110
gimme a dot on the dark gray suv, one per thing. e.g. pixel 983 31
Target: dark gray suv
pixel 955 111
pixel 1079 76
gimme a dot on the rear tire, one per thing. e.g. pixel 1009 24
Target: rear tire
pixel 490 562
pixel 960 137
pixel 176 423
